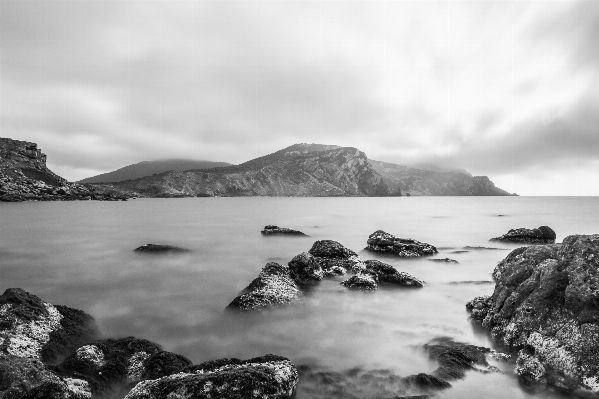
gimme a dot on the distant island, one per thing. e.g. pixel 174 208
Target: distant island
pixel 301 170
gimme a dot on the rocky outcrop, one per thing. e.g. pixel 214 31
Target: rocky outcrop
pixel 25 177
pixel 332 173
pixel 266 377
pixel 159 248
pixel 334 258
pixel 388 274
pixel 362 281
pixel 276 230
pixel 273 287
pixel 541 235
pixel 381 241
pixel 546 303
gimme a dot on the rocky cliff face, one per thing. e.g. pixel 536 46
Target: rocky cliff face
pixel 24 176
pixel 406 180
pixel 329 173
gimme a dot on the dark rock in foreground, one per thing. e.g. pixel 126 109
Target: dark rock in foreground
pixel 157 248
pixel 388 274
pixel 334 258
pixel 276 230
pixel 305 269
pixel 542 235
pixel 546 303
pixel 266 377
pixel 381 241
pixel 273 287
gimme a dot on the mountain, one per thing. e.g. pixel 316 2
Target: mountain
pixel 294 171
pixel 414 181
pixel 24 176
pixel 147 168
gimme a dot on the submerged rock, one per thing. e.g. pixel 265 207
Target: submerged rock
pixel 541 235
pixel 388 274
pixel 444 260
pixel 266 377
pixel 546 300
pixel 273 287
pixel 426 382
pixel 275 230
pixel 363 281
pixel 334 258
pixel 158 248
pixel 381 241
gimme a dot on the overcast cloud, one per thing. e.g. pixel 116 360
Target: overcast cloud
pixel 505 89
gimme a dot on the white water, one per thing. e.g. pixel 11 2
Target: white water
pixel 79 254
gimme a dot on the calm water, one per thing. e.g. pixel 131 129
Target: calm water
pixel 79 254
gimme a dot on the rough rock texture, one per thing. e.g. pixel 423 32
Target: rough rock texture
pixel 331 173
pixel 25 177
pixel 32 328
pixel 305 269
pixel 428 181
pixel 158 248
pixel 541 235
pixel 266 377
pixel 276 230
pixel 273 287
pixel 388 274
pixel 546 301
pixel 363 281
pixel 334 258
pixel 381 241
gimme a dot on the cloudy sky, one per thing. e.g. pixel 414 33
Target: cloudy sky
pixel 508 89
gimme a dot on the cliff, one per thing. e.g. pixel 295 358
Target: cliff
pixel 24 176
pixel 330 173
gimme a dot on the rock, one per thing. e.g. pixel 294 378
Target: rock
pixel 546 300
pixel 484 248
pixel 275 230
pixel 541 235
pixel 273 287
pixel 32 328
pixel 381 241
pixel 444 260
pixel 529 369
pixel 334 258
pixel 157 248
pixel 459 252
pixel 363 281
pixel 388 274
pixel 266 377
pixel 426 382
pixel 305 269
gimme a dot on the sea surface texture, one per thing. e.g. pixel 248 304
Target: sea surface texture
pixel 80 254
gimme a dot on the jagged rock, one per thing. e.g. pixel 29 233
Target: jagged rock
pixel 266 377
pixel 444 260
pixel 426 382
pixel 275 230
pixel 363 281
pixel 541 235
pixel 157 248
pixel 381 241
pixel 334 258
pixel 529 368
pixel 305 269
pixel 388 274
pixel 273 287
pixel 546 300
pixel 32 328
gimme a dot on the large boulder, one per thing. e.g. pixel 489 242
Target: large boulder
pixel 276 230
pixel 266 377
pixel 273 287
pixel 35 329
pixel 388 274
pixel 541 235
pixel 305 269
pixel 380 241
pixel 334 258
pixel 546 302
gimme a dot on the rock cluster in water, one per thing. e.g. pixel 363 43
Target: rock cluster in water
pixel 541 235
pixel 52 352
pixel 276 230
pixel 546 305
pixel 381 241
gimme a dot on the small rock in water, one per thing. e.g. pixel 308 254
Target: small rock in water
pixel 459 252
pixel 363 281
pixel 275 230
pixel 334 258
pixel 381 241
pixel 388 274
pixel 157 248
pixel 484 248
pixel 445 260
pixel 541 235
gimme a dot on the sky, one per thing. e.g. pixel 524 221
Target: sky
pixel 506 89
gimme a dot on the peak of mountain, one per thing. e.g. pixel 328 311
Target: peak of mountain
pixel 147 168
pixel 291 151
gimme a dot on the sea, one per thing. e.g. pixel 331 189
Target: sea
pixel 80 254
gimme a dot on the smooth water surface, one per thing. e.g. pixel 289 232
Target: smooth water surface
pixel 80 254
